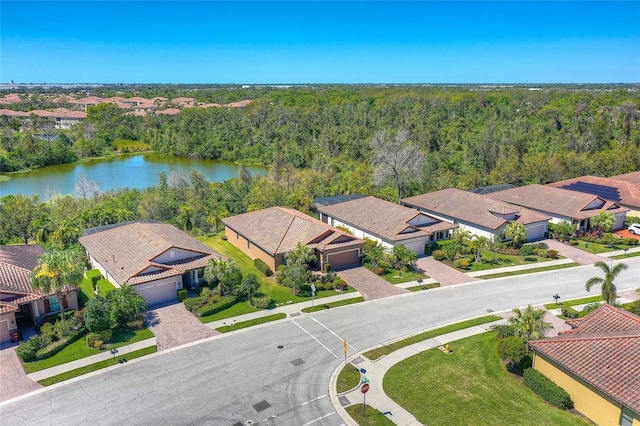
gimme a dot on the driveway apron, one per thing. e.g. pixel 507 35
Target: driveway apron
pixel 13 380
pixel 575 254
pixel 369 284
pixel 444 274
pixel 173 326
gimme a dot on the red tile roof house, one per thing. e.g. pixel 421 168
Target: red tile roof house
pixel 478 213
pixel 157 259
pixel 17 298
pixel 269 234
pixel 388 223
pixel 598 364
pixel 562 204
pixel 624 189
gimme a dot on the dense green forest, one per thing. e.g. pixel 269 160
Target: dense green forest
pixel 320 141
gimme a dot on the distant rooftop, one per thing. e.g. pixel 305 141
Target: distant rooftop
pixel 328 201
pixel 483 190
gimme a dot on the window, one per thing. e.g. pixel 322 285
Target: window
pixel 248 244
pixel 54 306
pixel 237 235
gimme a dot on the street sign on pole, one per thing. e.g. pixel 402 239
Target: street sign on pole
pixel 364 389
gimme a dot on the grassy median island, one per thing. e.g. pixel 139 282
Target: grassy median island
pixel 97 366
pixel 387 349
pixel 251 323
pixel 322 306
pixel 348 378
pixel 469 387
pixel 529 271
pixel 371 417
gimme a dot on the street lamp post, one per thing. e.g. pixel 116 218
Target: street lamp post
pixel 555 296
pixel 114 352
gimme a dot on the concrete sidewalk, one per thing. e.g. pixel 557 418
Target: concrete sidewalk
pixel 377 369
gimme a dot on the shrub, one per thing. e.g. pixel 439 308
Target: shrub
pixel 552 254
pixel 630 241
pixel 97 314
pixel 526 250
pixel 439 254
pixel 526 362
pixel 462 263
pixel 589 308
pixel 105 335
pixel 98 344
pixel 262 267
pixel 216 306
pixel 135 324
pixel 511 349
pixel 47 329
pixel 104 287
pixel 91 339
pixel 182 294
pixel 126 305
pixel 543 253
pixel 27 350
pixel 263 302
pixel 344 229
pixel 327 267
pixel 339 284
pixel 94 275
pixel 192 304
pixel 378 271
pixel 548 390
pixel 569 312
pixel 53 348
pixel 541 246
pixel 574 242
pixel 224 238
pixel 503 330
pixel 634 307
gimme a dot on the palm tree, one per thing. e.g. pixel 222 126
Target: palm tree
pixel 404 258
pixel 301 255
pixel 56 271
pixel 126 305
pixel 187 217
pixel 528 324
pixel 602 221
pixel 216 216
pixel 516 232
pixel 608 288
pixel 478 244
pixel 219 270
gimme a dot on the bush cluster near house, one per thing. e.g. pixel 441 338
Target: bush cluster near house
pixel 390 262
pixel 52 338
pixel 262 267
pixel 548 390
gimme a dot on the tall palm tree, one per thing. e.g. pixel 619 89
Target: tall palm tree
pixel 478 244
pixel 126 305
pixel 528 324
pixel 219 270
pixel 56 271
pixel 216 216
pixel 187 217
pixel 602 221
pixel 301 255
pixel 608 288
pixel 516 232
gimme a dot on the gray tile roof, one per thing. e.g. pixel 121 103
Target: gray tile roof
pixel 126 251
pixel 387 220
pixel 473 208
pixel 277 230
pixel 557 201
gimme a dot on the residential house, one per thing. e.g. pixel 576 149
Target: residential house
pixel 478 214
pixel 597 363
pixel 387 223
pixel 18 299
pixel 269 234
pixel 624 191
pixel 563 204
pixel 157 259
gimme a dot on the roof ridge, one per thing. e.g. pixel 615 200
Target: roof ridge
pixel 284 234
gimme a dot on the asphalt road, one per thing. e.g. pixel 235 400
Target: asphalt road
pixel 278 374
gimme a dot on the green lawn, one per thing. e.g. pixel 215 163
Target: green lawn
pixel 348 378
pixel 387 349
pixel 597 248
pixel 491 260
pixel 251 323
pixel 574 302
pixel 423 287
pixel 529 271
pixel 97 366
pixel 79 349
pixel 469 387
pixel 85 292
pixel 395 276
pixel 239 308
pixel 624 256
pixel 322 307
pixel 370 417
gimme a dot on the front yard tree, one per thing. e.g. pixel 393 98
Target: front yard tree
pixel 97 314
pixel 528 324
pixel 376 256
pixel 608 288
pixel 295 276
pixel 301 255
pixel 126 305
pixel 602 221
pixel 404 258
pixel 479 244
pixel 394 158
pixel 56 272
pixel 17 214
pixel 220 271
pixel 516 232
pixel 249 285
pixel 187 218
pixel 216 216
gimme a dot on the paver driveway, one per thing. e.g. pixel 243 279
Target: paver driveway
pixel 369 284
pixel 173 326
pixel 444 274
pixel 575 254
pixel 13 380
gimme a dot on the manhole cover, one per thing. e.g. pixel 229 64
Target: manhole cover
pixel 280 347
pixel 357 360
pixel 261 406
pixel 344 401
pixel 237 424
pixel 296 362
pixel 295 314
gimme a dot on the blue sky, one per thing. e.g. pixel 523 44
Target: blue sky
pixel 319 42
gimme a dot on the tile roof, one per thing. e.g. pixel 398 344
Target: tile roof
pixel 473 208
pixel 126 251
pixel 383 218
pixel 558 201
pixel 603 350
pixel 626 193
pixel 277 230
pixel 16 264
pixel 633 177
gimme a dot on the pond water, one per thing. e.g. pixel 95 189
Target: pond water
pixel 124 171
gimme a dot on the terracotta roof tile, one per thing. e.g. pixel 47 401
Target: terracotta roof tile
pixel 626 193
pixel 633 177
pixel 16 264
pixel 603 350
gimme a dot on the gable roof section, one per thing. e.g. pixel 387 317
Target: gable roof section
pixel 603 350
pixel 473 208
pixel 383 218
pixel 633 177
pixel 16 264
pixel 611 189
pixel 562 202
pixel 277 230
pixel 126 251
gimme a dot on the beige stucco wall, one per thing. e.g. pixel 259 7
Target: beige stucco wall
pixel 596 406
pixel 72 303
pixel 7 323
pixel 251 249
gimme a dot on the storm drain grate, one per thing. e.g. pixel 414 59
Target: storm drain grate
pixel 489 310
pixel 343 401
pixel 295 314
pixel 261 406
pixel 237 424
pixel 357 360
pixel 296 362
pixel 248 423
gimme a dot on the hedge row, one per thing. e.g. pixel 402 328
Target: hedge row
pixel 94 275
pixel 262 267
pixel 59 345
pixel 221 305
pixel 548 390
pixel 182 294
pixel 105 287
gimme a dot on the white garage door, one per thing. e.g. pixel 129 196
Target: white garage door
pixel 417 246
pixel 536 232
pixel 160 293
